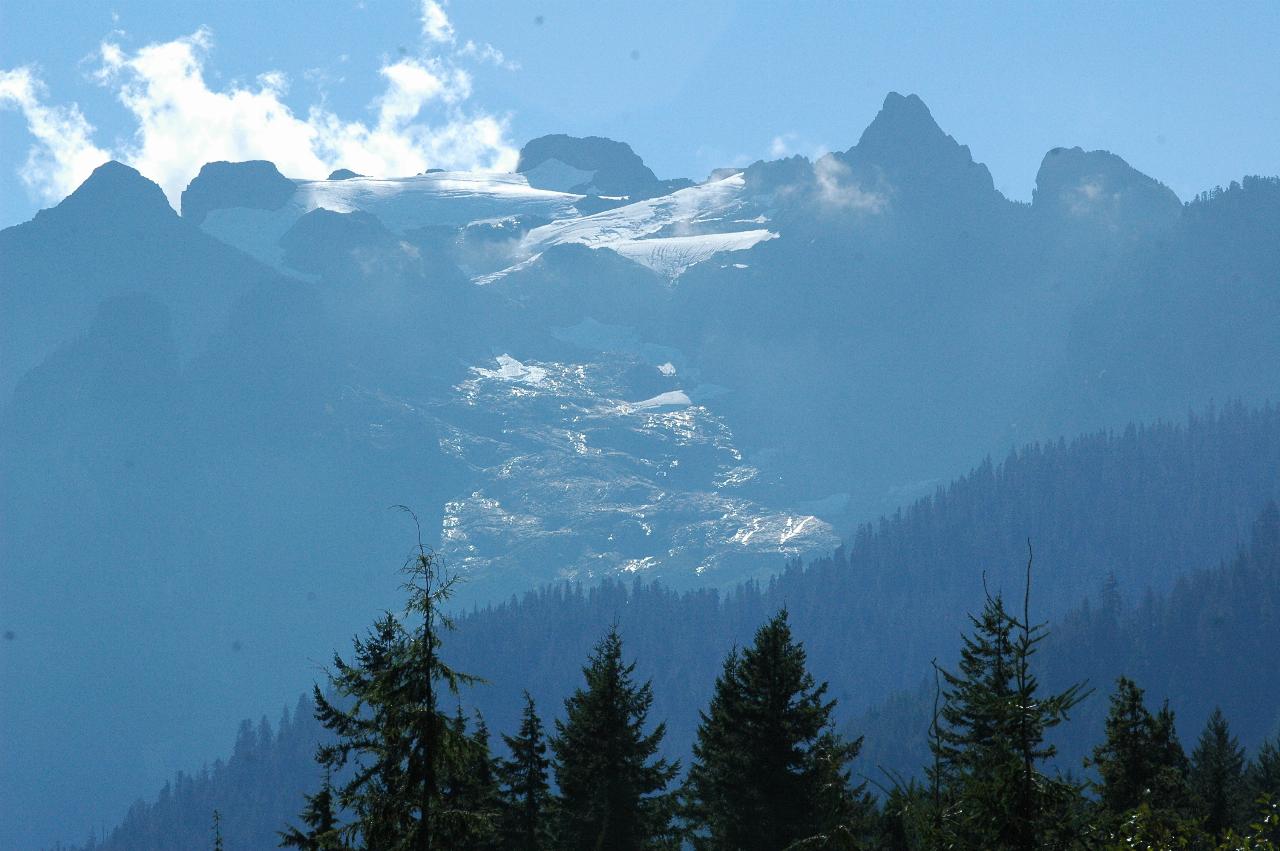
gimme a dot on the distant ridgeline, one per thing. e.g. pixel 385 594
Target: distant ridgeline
pixel 580 371
pixel 1111 516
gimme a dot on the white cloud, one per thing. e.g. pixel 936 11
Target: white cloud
pixel 781 146
pixel 838 188
pixel 182 122
pixel 486 52
pixel 64 153
pixel 420 120
pixel 436 26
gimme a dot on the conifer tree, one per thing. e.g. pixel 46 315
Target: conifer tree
pixel 526 797
pixel 1171 763
pixel 769 766
pixel 390 729
pixel 469 791
pixel 612 783
pixel 1140 764
pixel 1263 776
pixel 1127 761
pixel 1217 775
pixel 990 743
pixel 321 819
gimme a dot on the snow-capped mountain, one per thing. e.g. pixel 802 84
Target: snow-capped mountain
pixel 573 371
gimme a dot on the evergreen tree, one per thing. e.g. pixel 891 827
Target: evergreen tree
pixel 612 784
pixel 990 743
pixel 321 820
pixel 1140 764
pixel 1217 775
pixel 1263 776
pixel 217 831
pixel 469 790
pixel 1171 763
pixel 1128 760
pixel 390 729
pixel 526 798
pixel 769 767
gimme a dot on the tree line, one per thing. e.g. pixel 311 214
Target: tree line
pixel 769 770
pixel 1203 642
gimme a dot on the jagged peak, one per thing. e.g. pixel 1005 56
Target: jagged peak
pixel 905 143
pixel 1088 182
pixel 902 118
pixel 116 191
pixel 256 184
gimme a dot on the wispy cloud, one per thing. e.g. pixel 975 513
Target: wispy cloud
pixel 420 120
pixel 436 26
pixel 838 188
pixel 64 152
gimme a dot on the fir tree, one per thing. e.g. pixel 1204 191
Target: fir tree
pixel 1217 775
pixel 1127 761
pixel 612 784
pixel 390 729
pixel 1140 764
pixel 990 743
pixel 217 831
pixel 1263 776
pixel 469 792
pixel 321 819
pixel 526 798
pixel 769 767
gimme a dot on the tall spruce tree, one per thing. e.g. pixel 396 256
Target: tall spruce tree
pixel 321 819
pixel 769 766
pixel 990 743
pixel 390 730
pixel 1217 776
pixel 1128 760
pixel 1171 763
pixel 1140 764
pixel 526 797
pixel 469 790
pixel 1263 776
pixel 612 783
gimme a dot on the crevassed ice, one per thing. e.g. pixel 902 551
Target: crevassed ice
pixel 510 369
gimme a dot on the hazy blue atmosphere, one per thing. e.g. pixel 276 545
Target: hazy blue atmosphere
pixel 749 343
pixel 1186 91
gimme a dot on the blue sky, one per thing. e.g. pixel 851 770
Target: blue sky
pixel 1186 92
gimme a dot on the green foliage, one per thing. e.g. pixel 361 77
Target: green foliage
pixel 321 818
pixel 1263 776
pixel 769 767
pixel 990 744
pixel 612 784
pixel 526 798
pixel 408 761
pixel 1217 775
pixel 1141 762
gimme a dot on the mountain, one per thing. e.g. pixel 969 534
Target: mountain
pixel 1108 515
pixel 615 377
pixel 113 236
pixel 1206 644
pixel 591 166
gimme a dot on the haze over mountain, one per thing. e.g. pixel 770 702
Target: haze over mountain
pixel 574 371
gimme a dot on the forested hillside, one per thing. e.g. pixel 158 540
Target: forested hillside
pixel 1129 512
pixel 1210 642
pixel 1147 604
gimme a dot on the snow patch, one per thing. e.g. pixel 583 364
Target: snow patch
pixel 667 234
pixel 670 399
pixel 510 369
